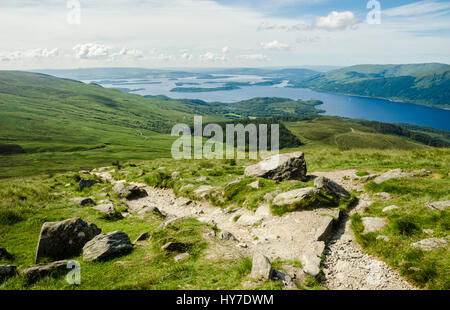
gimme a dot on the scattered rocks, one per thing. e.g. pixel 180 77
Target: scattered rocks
pixel 203 190
pixel 390 208
pixel 174 247
pixel 261 267
pixel 64 239
pixel 181 257
pixel 331 187
pixel 83 201
pixel 35 272
pixel 372 224
pixel 438 205
pixel 430 244
pixel 280 167
pixel 7 271
pixel 142 237
pixel 106 246
pixel 129 192
pixel 392 174
pixel 85 183
pixel 296 196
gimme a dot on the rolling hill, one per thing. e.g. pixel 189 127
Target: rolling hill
pixel 425 84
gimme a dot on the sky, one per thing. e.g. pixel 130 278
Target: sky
pixel 52 34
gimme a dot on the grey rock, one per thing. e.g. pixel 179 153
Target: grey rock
pixel 383 195
pixel 7 271
pixel 383 237
pixel 261 267
pixel 181 257
pixel 368 178
pixel 202 179
pixel 280 167
pixel 85 183
pixel 295 196
pixel 285 278
pixel 175 175
pixel 35 272
pixel 428 231
pixel 254 185
pixel 107 208
pixel 106 246
pixel 153 210
pixel 311 264
pixel 392 174
pixel 142 237
pixel 372 224
pixel 330 187
pixel 129 192
pixel 238 180
pixel 203 190
pixel 438 205
pixel 174 247
pixel 187 186
pixel 249 220
pixel 325 228
pixel 226 235
pixel 430 244
pixel 59 240
pixel 390 208
pixel 83 201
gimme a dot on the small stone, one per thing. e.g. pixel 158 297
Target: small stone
pixel 142 237
pixel 83 201
pixel 181 257
pixel 261 267
pixel 203 190
pixel 187 186
pixel 390 208
pixel 202 179
pixel 383 237
pixel 311 264
pixel 430 244
pixel 372 224
pixel 174 247
pixel 383 195
pixel 107 208
pixel 175 175
pixel 392 174
pixel 254 185
pixel 225 235
pixel 154 210
pixel 428 231
pixel 85 183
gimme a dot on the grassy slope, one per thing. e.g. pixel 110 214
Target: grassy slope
pixel 427 84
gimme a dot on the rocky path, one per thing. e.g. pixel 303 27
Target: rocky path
pixel 297 235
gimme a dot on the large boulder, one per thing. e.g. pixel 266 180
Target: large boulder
pixel 392 174
pixel 438 205
pixel 59 240
pixel 34 273
pixel 261 267
pixel 296 196
pixel 280 167
pixel 330 187
pixel 129 192
pixel 106 246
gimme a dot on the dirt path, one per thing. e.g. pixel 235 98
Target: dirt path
pixel 297 235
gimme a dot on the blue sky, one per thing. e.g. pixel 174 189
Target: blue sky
pixel 220 33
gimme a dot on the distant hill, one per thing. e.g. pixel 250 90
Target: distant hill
pixel 425 84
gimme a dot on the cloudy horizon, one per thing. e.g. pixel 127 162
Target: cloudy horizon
pixel 51 34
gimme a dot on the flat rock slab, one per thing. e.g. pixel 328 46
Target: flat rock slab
pixel 35 272
pixel 280 167
pixel 107 246
pixel 203 190
pixel 438 205
pixel 390 208
pixel 296 196
pixel 261 267
pixel 107 208
pixel 392 174
pixel 372 224
pixel 64 239
pixel 330 187
pixel 430 244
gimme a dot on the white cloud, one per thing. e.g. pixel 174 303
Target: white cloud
pixel 275 45
pixel 226 49
pixel 29 54
pixel 417 8
pixel 92 51
pixel 337 21
pixel 128 53
pixel 186 56
pixel 260 57
pixel 208 56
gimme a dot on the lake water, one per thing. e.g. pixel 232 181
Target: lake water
pixel 337 105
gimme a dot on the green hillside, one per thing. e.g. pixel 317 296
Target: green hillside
pixel 425 84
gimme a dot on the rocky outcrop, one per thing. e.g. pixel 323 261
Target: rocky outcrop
pixel 107 246
pixel 59 240
pixel 34 273
pixel 129 192
pixel 280 167
pixel 372 224
pixel 392 174
pixel 297 196
pixel 430 244
pixel 261 267
pixel 331 188
pixel 438 205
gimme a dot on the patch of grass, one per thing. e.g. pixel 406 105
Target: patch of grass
pixel 362 173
